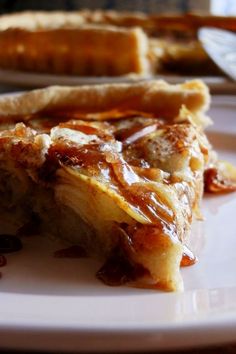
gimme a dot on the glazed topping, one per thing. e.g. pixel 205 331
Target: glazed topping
pixel 217 181
pixel 95 160
pixel 126 155
pixel 45 120
pixel 114 114
pixel 90 128
pixel 146 237
pixel 188 258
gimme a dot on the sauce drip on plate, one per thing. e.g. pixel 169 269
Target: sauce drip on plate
pixel 74 251
pixel 117 270
pixel 9 244
pixel 188 258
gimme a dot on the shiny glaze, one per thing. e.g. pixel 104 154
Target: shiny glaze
pixel 216 182
pixel 92 157
pixel 113 113
pixel 188 258
pixel 139 237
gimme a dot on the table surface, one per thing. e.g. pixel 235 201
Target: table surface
pixel 224 349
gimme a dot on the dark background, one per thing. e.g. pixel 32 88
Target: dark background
pixel 8 6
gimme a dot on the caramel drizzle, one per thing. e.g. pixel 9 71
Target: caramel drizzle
pixel 142 197
pixel 63 115
pixel 188 258
pixel 216 182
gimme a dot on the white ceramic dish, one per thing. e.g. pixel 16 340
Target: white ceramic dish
pixel 217 84
pixel 58 304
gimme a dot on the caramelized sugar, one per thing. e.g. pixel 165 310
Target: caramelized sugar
pixel 74 251
pixel 72 155
pixel 90 156
pixel 101 132
pixel 188 258
pixel 118 270
pixel 216 182
pixel 86 129
pixel 114 114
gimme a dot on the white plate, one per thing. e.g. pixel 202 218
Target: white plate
pixel 217 84
pixel 58 304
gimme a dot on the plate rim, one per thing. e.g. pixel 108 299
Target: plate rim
pixel 217 84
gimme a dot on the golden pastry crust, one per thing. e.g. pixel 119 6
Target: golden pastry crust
pixel 152 23
pixel 42 20
pixel 85 50
pixel 152 96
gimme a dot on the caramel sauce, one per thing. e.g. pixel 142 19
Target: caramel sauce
pixel 129 136
pixel 44 124
pixel 188 258
pixel 113 113
pixel 38 121
pixel 47 172
pixel 103 132
pixel 118 270
pixel 86 156
pixel 72 155
pixel 143 198
pixel 140 237
pixel 74 251
pixel 86 129
pixel 46 119
pixel 95 160
pixel 215 182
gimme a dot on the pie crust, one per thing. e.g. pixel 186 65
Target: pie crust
pixel 84 50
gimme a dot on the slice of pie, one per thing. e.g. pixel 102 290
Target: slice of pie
pixel 116 169
pixel 83 50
